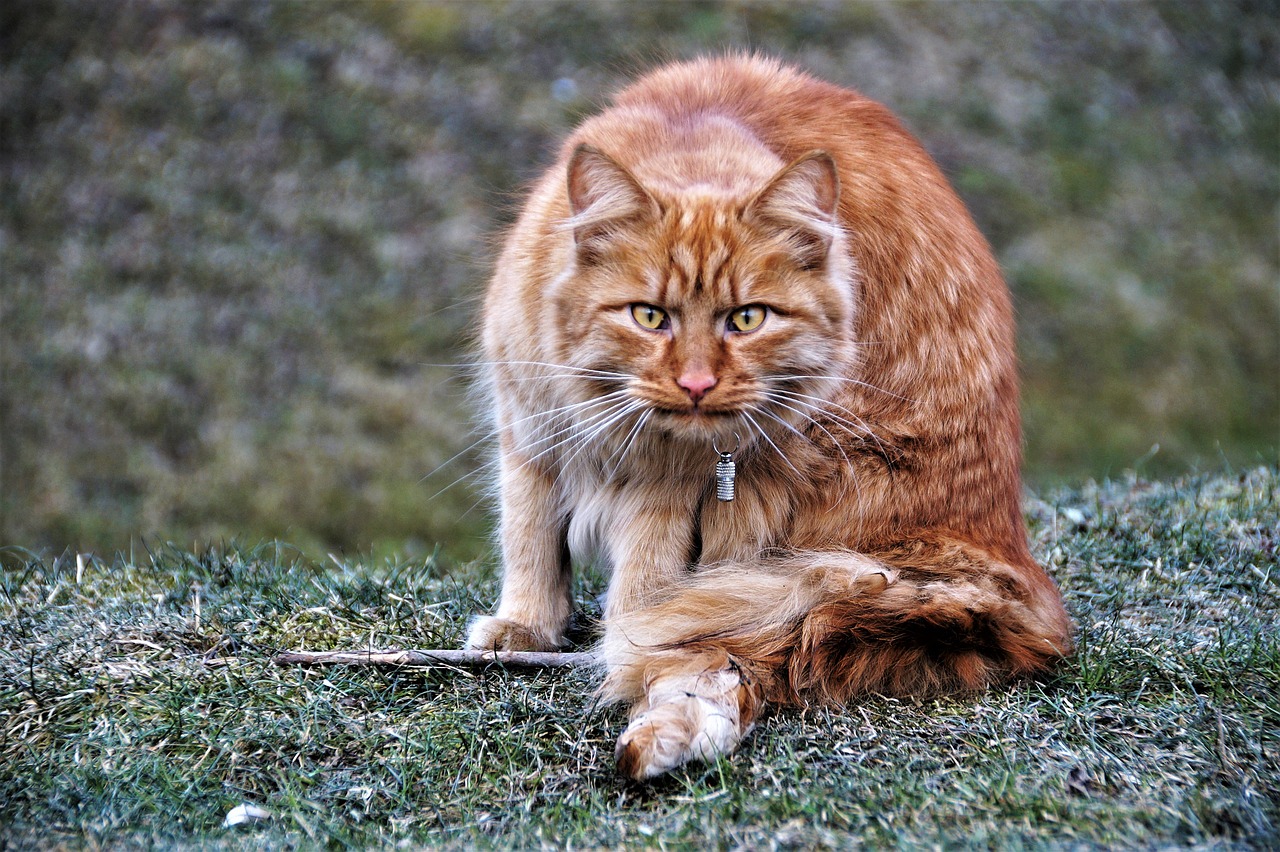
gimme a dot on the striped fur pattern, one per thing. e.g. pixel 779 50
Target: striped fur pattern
pixel 735 255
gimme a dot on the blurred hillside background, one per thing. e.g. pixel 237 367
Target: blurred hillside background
pixel 240 241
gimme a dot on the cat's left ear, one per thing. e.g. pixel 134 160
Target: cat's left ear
pixel 603 198
pixel 801 201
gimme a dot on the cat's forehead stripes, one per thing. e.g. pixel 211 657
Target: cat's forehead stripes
pixel 702 244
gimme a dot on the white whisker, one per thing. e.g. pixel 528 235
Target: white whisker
pixel 858 382
pixel 827 432
pixel 573 430
pixel 550 413
pixel 621 453
pixel 586 440
pixel 565 369
pixel 793 430
pixel 765 435
pixel 810 418
pixel 860 430
pixel 561 414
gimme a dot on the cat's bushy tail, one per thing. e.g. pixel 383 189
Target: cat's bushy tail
pixel 922 618
pixel 818 627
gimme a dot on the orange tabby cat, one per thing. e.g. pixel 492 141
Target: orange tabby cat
pixel 739 263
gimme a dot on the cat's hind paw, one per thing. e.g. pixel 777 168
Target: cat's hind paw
pixel 687 718
pixel 490 633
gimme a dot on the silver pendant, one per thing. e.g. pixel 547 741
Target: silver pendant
pixel 726 472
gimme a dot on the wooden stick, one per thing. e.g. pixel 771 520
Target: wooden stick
pixel 523 659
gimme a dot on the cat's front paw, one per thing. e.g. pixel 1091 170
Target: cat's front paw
pixel 490 633
pixel 688 718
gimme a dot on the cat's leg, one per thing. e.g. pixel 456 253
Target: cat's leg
pixel 697 706
pixel 932 616
pixel 649 552
pixel 700 668
pixel 536 599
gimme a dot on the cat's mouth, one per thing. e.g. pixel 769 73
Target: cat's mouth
pixel 697 415
pixel 702 424
pixel 718 416
pixel 696 411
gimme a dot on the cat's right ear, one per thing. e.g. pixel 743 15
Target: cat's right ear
pixel 603 198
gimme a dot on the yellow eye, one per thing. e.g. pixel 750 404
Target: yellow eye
pixel 647 316
pixel 747 318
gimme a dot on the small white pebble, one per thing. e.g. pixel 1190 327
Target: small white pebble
pixel 245 813
pixel 1075 516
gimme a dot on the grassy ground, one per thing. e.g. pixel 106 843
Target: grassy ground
pixel 139 704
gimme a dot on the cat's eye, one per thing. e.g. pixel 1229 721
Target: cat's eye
pixel 647 316
pixel 747 318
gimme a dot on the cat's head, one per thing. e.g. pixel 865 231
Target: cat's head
pixel 725 310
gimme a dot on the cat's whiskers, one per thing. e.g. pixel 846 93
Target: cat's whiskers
pixel 768 440
pixel 572 432
pixel 834 441
pixel 828 378
pixel 559 443
pixel 548 413
pixel 589 438
pixel 614 411
pixel 781 421
pixel 811 419
pixel 544 377
pixel 567 369
pixel 860 433
pixel 621 452
pixel 568 372
pixel 565 413
pixel 859 430
pixel 560 413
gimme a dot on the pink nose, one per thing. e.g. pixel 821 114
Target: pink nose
pixel 696 384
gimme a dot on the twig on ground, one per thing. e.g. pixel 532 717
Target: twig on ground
pixel 523 659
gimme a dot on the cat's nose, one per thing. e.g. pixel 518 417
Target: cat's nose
pixel 696 384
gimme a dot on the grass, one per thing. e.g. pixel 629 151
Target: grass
pixel 139 706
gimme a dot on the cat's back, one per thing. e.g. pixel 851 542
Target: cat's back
pixel 743 85
pixel 788 110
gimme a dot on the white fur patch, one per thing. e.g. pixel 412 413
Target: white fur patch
pixel 690 717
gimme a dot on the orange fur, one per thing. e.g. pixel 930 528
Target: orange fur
pixel 876 542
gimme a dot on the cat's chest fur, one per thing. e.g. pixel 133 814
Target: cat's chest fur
pixel 677 487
